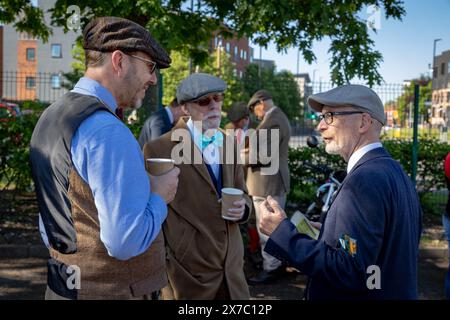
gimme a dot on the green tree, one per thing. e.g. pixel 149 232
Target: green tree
pixel 226 71
pixel 405 102
pixel 77 65
pixel 224 68
pixel 172 76
pixel 281 85
pixel 25 17
pixel 288 23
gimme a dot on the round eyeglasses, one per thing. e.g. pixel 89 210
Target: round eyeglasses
pixel 328 116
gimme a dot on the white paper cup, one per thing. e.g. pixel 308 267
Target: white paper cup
pixel 159 166
pixel 230 195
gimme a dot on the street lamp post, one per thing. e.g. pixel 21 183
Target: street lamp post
pixel 314 79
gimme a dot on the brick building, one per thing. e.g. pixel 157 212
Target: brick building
pixel 440 108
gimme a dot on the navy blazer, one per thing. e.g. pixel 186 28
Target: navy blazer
pixel 155 126
pixel 378 208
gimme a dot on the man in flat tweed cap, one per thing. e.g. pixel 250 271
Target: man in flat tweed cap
pixel 369 242
pixel 273 130
pixel 101 211
pixel 204 250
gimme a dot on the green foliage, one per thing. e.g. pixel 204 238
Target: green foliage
pixel 305 180
pixel 430 172
pixel 281 85
pixel 405 102
pixel 224 68
pixel 77 65
pixel 173 75
pixel 430 161
pixel 24 17
pixel 15 136
pixel 180 70
pixel 288 23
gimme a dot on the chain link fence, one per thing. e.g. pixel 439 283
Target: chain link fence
pixel 398 100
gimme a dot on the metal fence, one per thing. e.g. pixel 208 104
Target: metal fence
pixel 397 98
pixel 399 108
pixel 42 86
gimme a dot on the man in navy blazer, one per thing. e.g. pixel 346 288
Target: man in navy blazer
pixel 160 122
pixel 368 244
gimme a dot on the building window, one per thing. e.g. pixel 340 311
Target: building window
pixel 30 82
pixel 56 51
pixel 31 54
pixel 236 52
pixel 435 71
pixel 245 55
pixel 227 46
pixel 443 68
pixel 448 67
pixel 55 81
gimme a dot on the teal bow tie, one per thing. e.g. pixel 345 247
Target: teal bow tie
pixel 217 139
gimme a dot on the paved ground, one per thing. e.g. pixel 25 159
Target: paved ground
pixel 25 279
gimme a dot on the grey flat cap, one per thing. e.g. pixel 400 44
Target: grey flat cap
pixel 198 85
pixel 355 95
pixel 260 95
pixel 107 34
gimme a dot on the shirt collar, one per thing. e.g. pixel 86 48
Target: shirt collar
pixel 357 155
pixel 90 87
pixel 169 113
pixel 270 111
pixel 197 135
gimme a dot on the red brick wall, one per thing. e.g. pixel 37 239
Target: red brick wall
pixel 242 44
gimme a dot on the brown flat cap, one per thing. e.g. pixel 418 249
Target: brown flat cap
pixel 106 34
pixel 260 95
pixel 238 111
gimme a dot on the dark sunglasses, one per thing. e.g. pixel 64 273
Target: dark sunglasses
pixel 206 101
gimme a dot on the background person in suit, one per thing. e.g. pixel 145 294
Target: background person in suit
pixel 160 122
pixel 261 185
pixel 239 117
pixel 368 246
pixel 204 251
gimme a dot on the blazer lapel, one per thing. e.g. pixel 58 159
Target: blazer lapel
pixel 372 154
pixel 227 164
pixel 194 154
pixel 166 120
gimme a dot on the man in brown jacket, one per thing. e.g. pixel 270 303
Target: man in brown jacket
pixel 204 251
pixel 271 138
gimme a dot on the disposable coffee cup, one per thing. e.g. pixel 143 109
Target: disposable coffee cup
pixel 230 195
pixel 159 166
